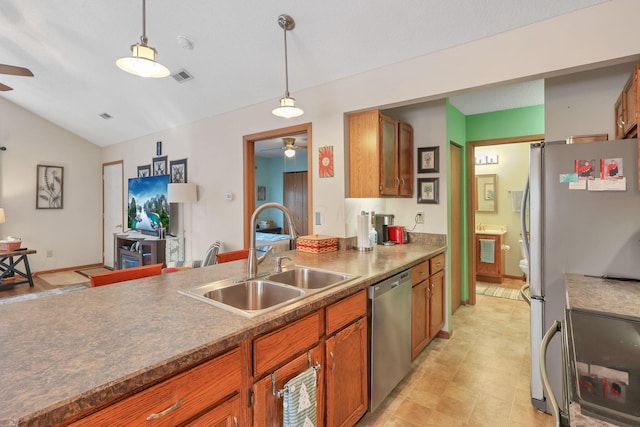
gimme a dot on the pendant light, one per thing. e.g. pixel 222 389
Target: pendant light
pixel 288 144
pixel 287 108
pixel 143 60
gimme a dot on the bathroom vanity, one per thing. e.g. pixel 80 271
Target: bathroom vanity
pixel 489 254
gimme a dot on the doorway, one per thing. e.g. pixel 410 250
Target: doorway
pixel 249 148
pixel 501 189
pixel 112 208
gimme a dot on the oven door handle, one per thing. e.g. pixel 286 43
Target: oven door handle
pixel 548 336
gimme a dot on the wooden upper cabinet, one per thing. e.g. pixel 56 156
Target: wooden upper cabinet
pixel 380 156
pixel 626 108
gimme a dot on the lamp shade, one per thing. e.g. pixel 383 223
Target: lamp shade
pixel 182 193
pixel 1 215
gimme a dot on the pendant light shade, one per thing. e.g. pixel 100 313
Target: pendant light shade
pixel 142 61
pixel 287 108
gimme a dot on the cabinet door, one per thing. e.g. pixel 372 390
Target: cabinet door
pixel 405 160
pixel 267 409
pixel 619 116
pixel 347 375
pixel 489 268
pixel 419 317
pixel 629 100
pixel 225 414
pixel 437 309
pixel 364 154
pixel 389 181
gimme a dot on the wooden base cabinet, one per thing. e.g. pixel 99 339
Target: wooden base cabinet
pixel 347 362
pixel 224 415
pixel 428 304
pixel 490 271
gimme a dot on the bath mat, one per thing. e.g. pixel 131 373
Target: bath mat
pixel 498 292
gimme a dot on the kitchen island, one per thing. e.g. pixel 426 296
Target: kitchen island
pixel 64 356
pixel 606 296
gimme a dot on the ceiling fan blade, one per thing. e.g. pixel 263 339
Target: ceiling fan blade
pixel 15 71
pixel 5 88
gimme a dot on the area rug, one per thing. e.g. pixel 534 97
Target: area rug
pixel 63 278
pixel 34 295
pixel 498 292
pixel 92 271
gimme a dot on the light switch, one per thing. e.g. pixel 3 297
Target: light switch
pixel 318 218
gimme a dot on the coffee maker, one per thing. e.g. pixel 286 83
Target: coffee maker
pixel 383 221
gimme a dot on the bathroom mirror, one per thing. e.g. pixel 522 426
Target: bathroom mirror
pixel 486 193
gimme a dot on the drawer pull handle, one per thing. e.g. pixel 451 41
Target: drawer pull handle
pixel 166 411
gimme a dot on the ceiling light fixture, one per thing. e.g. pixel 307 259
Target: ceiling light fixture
pixel 290 152
pixel 287 108
pixel 143 60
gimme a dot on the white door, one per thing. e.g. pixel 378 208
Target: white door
pixel 113 208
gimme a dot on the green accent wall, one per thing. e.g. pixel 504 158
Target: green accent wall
pixel 476 127
pixel 506 123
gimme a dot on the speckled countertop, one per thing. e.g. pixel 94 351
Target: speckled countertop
pixel 606 296
pixel 61 355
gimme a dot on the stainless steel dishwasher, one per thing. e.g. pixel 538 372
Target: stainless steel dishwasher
pixel 390 335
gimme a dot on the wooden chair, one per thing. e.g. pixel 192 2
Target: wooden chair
pixel 126 274
pixel 232 256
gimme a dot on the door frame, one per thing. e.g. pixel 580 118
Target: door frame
pixel 248 142
pixel 122 220
pixel 471 214
pixel 456 265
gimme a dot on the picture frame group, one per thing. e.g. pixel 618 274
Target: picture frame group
pixel 428 162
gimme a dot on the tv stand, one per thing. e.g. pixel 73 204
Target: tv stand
pixel 133 250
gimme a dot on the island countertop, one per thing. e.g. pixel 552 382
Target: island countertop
pixel 605 296
pixel 64 354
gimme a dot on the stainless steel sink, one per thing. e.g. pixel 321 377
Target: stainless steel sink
pixel 247 297
pixel 310 278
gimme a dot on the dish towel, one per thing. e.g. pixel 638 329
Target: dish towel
pixel 299 402
pixel 487 247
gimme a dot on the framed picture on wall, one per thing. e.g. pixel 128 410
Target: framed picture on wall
pixel 428 159
pixel 49 181
pixel 159 165
pixel 178 171
pixel 262 193
pixel 428 189
pixel 144 171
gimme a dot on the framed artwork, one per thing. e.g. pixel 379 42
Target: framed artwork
pixel 428 189
pixel 325 155
pixel 159 165
pixel 159 148
pixel 178 171
pixel 262 193
pixel 49 186
pixel 428 159
pixel 144 171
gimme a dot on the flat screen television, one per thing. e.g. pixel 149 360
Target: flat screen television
pixel 148 207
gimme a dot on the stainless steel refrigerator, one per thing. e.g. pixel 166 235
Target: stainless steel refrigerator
pixel 576 231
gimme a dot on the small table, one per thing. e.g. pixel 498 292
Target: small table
pixel 10 268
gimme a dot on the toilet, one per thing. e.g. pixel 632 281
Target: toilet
pixel 524 262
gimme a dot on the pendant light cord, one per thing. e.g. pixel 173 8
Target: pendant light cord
pixel 286 61
pixel 143 38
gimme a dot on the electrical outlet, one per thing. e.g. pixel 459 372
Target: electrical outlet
pixel 419 217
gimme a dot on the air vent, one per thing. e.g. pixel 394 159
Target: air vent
pixel 106 116
pixel 182 76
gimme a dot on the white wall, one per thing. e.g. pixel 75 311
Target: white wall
pixel 74 233
pixel 214 145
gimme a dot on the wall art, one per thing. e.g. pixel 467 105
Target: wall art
pixel 49 182
pixel 428 189
pixel 159 165
pixel 178 171
pixel 144 171
pixel 428 159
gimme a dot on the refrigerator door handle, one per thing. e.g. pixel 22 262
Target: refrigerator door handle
pixel 546 384
pixel 523 219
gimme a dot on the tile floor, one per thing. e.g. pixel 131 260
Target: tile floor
pixel 478 377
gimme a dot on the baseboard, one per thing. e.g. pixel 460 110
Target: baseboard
pixel 59 270
pixel 444 334
pixel 508 276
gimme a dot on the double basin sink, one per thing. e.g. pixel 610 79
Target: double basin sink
pixel 251 297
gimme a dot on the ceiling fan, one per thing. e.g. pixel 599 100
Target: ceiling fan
pixel 13 71
pixel 289 147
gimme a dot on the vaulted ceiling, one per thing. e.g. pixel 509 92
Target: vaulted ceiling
pixel 237 57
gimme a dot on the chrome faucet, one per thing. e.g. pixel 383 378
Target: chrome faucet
pixel 252 264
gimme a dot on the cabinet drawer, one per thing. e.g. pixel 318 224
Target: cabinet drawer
pixel 436 263
pixel 419 272
pixel 344 312
pixel 271 350
pixel 189 393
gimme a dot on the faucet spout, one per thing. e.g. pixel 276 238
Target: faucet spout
pixel 252 263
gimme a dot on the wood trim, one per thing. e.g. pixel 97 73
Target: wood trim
pixel 248 142
pixel 59 270
pixel 471 223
